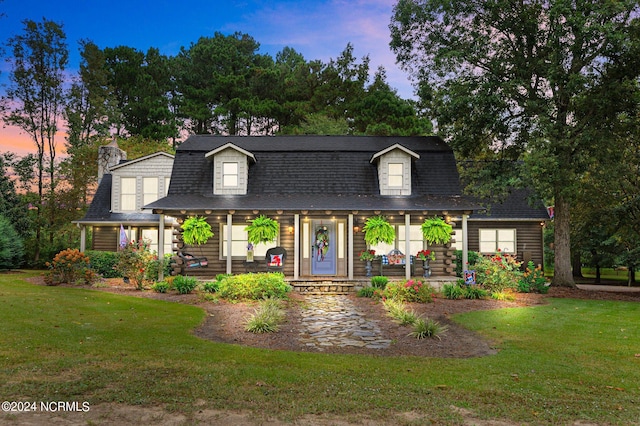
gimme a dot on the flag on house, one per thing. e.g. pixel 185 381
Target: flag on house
pixel 124 240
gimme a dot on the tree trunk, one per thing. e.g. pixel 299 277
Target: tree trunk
pixel 576 261
pixel 562 276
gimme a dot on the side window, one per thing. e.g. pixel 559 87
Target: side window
pixel 492 240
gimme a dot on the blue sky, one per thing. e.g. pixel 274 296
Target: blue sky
pixel 316 29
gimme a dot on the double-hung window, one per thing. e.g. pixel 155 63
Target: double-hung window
pixel 149 190
pixel 396 175
pixel 128 194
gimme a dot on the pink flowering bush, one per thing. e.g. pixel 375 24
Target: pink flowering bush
pixel 498 273
pixel 133 261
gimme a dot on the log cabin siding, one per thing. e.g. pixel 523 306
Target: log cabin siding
pixel 105 238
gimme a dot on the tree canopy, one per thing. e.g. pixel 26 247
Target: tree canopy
pixel 543 81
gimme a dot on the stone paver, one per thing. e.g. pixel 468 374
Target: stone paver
pixel 333 320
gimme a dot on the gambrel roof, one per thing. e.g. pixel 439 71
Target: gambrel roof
pixel 315 173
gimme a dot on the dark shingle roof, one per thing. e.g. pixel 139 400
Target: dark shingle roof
pixel 519 204
pixel 315 172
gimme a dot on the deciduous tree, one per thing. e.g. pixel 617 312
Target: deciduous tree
pixel 35 99
pixel 529 77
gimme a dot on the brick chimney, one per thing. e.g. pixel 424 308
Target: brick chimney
pixel 109 156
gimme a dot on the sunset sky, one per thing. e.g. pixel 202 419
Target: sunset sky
pixel 317 29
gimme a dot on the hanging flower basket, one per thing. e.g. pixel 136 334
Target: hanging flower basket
pixel 262 230
pixel 196 231
pixel 436 231
pixel 378 230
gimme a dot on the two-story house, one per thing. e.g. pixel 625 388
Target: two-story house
pixel 124 188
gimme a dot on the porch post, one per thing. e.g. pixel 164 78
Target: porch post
pixel 350 253
pixel 161 247
pixel 229 228
pixel 296 246
pixel 407 246
pixel 465 242
pixel 83 238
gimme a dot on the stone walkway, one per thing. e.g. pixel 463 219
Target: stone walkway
pixel 332 320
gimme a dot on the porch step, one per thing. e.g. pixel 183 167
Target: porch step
pixel 326 286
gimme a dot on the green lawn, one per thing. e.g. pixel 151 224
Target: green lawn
pixel 559 363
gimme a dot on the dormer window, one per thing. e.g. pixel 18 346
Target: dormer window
pixel 394 169
pixel 230 165
pixel 230 175
pixel 396 175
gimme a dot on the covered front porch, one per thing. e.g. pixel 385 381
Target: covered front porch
pixel 321 246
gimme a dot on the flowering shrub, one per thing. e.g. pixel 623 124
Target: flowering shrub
pixel 367 254
pixel 133 261
pixel 69 266
pixel 533 280
pixel 498 272
pixel 412 290
pixel 426 254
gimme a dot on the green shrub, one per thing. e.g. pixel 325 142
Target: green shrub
pixel 379 281
pixel 209 297
pixel 267 317
pixel 254 286
pixel 423 328
pixel 153 267
pixel 413 290
pixel 104 263
pixel 533 280
pixel 474 292
pixel 211 286
pixel 453 291
pixel 503 296
pixel 473 258
pixel 184 284
pixel 161 287
pixel 366 292
pixel 11 246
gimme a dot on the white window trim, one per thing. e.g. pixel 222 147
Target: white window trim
pixel 497 243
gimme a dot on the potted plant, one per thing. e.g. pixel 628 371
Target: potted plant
pixel 368 256
pixel 426 256
pixel 436 231
pixel 378 230
pixel 196 231
pixel 262 229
